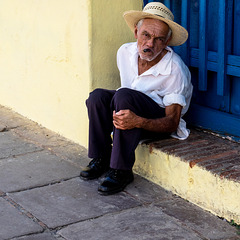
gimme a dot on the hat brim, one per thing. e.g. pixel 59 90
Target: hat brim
pixel 179 33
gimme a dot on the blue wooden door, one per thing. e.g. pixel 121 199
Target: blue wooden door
pixel 212 53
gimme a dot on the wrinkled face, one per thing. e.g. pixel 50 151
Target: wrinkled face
pixel 151 38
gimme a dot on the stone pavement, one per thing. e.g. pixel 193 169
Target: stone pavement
pixel 42 197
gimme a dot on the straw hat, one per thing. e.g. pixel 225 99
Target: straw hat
pixel 159 11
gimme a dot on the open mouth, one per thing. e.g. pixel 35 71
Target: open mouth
pixel 147 50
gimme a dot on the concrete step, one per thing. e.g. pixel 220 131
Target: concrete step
pixel 204 169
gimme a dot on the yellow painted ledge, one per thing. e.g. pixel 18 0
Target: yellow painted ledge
pixel 197 185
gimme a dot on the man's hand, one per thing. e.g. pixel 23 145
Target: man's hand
pixel 125 119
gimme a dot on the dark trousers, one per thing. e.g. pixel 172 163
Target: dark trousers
pixel 101 104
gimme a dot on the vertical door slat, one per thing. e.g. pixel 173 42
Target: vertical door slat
pixel 203 49
pixel 221 71
pixel 185 15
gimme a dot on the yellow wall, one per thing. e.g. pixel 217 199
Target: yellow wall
pixel 109 32
pixel 44 62
pixel 53 52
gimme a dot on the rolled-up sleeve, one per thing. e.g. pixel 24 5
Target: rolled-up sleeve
pixel 174 99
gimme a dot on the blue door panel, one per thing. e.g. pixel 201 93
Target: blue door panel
pixel 212 53
pixel 235 96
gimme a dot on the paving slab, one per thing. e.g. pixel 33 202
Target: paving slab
pixel 41 135
pixel 138 223
pixel 200 221
pixel 28 129
pixel 192 216
pixel 40 236
pixel 71 201
pixel 72 152
pixel 33 170
pixel 11 145
pixel 147 192
pixel 13 223
pixel 11 119
pixel 3 127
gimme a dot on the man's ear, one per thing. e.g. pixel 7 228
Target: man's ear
pixel 135 32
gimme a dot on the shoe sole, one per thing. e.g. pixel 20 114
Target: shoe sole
pixel 86 179
pixel 115 191
pixel 90 178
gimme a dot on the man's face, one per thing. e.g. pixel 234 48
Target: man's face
pixel 151 38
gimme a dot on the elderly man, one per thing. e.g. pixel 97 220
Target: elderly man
pixel 155 93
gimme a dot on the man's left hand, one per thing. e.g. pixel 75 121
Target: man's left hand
pixel 125 119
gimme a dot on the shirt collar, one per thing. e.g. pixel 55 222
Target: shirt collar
pixel 163 67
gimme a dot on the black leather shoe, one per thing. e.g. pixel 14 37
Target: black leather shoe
pixel 95 169
pixel 115 181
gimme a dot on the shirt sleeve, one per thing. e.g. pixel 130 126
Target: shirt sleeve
pixel 174 99
pixel 178 88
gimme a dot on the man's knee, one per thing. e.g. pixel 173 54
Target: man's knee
pixel 98 96
pixel 123 94
pixel 124 99
pixel 97 93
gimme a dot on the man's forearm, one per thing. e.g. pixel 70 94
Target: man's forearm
pixel 165 124
pixel 126 119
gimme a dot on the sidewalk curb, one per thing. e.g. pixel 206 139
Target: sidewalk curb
pixel 212 190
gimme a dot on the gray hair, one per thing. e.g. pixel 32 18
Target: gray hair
pixel 139 24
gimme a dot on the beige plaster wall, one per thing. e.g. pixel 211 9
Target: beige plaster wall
pixel 109 32
pixel 53 52
pixel 45 62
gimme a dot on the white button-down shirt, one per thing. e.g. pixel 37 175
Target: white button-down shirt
pixel 168 82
